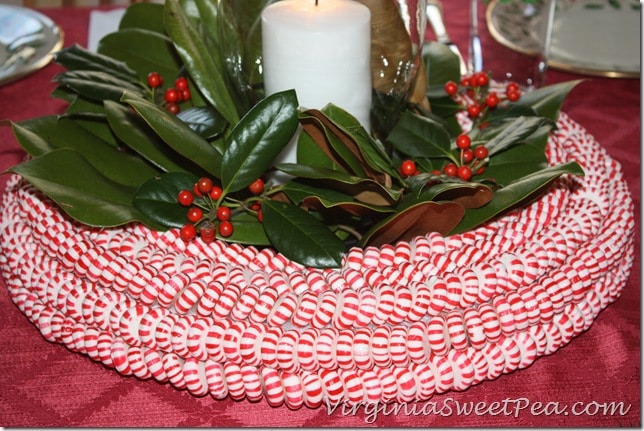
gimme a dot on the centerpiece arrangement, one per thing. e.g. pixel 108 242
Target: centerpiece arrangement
pixel 138 143
pixel 157 228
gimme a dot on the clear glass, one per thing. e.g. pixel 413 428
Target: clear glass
pixel 520 34
pixel 397 34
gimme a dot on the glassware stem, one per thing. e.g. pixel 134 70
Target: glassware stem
pixel 474 52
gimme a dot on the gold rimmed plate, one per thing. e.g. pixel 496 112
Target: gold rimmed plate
pixel 28 40
pixel 599 38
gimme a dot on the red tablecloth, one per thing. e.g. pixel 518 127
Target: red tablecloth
pixel 43 384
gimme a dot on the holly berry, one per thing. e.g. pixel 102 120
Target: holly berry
pixel 463 142
pixel 257 187
pixel 172 108
pixel 480 79
pixel 225 228
pixel 155 80
pixel 186 198
pixel 204 185
pixel 207 232
pixel 181 83
pixel 436 172
pixel 480 170
pixel 215 192
pixel 223 213
pixel 513 96
pixel 480 152
pixel 408 168
pixel 451 88
pixel 473 110
pixel 260 216
pixel 187 232
pixel 196 191
pixel 492 100
pixel 195 214
pixel 464 173
pixel 467 155
pixel 450 169
pixel 186 94
pixel 465 82
pixel 511 87
pixel 171 95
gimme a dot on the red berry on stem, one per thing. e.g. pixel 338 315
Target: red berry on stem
pixel 195 214
pixel 450 169
pixel 171 95
pixel 466 82
pixel 436 172
pixel 408 168
pixel 492 100
pixel 451 88
pixel 181 83
pixel 513 96
pixel 155 80
pixel 512 86
pixel 186 94
pixel 172 108
pixel 481 79
pixel 464 173
pixel 204 185
pixel 185 198
pixel 225 228
pixel 480 152
pixel 187 232
pixel 215 192
pixel 196 191
pixel 207 232
pixel 473 111
pixel 480 170
pixel 257 187
pixel 260 216
pixel 223 213
pixel 463 141
pixel 467 155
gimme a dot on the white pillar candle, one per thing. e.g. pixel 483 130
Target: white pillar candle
pixel 322 51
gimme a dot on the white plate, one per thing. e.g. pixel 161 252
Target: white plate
pixel 594 37
pixel 27 42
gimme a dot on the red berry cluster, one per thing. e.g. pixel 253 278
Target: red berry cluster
pixel 475 95
pixel 208 214
pixel 172 96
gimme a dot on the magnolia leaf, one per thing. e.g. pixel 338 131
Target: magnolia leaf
pixel 514 133
pixel 80 190
pixel 301 237
pixel 157 198
pixel 247 230
pixel 311 154
pixel 515 163
pixel 177 135
pixel 76 57
pixel 418 136
pixel 96 85
pixel 515 194
pixel 416 220
pixel 364 190
pixel 136 134
pixel 467 194
pixel 144 51
pixel 205 121
pixel 45 134
pixel 547 101
pixel 204 70
pixel 257 140
pixel 148 16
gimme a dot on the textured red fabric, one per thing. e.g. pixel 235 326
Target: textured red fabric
pixel 44 384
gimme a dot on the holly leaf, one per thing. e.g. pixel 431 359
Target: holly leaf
pixel 157 198
pixel 301 237
pixel 75 57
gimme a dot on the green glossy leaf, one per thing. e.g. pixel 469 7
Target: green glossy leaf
pixel 418 136
pixel 205 121
pixel 177 135
pixel 516 193
pixel 514 133
pixel 75 57
pixel 467 194
pixel 157 198
pixel 202 67
pixel 54 133
pixel 248 230
pixel 148 16
pixel 301 237
pixel 363 190
pixel 144 51
pixel 80 190
pixel 547 101
pixel 309 153
pixel 441 65
pixel 260 136
pixel 136 134
pixel 96 85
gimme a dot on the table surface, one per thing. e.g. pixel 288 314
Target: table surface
pixel 43 384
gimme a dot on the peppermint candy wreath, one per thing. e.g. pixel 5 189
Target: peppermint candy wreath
pixel 397 323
